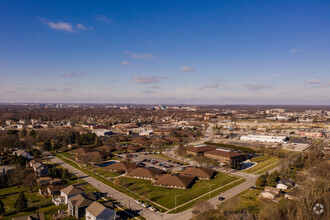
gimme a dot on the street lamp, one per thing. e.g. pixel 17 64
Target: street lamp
pixel 175 200
pixel 210 190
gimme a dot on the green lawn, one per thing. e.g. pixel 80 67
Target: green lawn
pixel 10 194
pixel 262 162
pixel 104 172
pixel 165 196
pixel 213 194
pixel 248 199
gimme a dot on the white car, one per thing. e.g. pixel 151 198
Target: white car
pixel 152 208
pixel 137 201
pixel 143 204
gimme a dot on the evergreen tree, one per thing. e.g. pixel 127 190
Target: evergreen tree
pixel 2 208
pixel 21 204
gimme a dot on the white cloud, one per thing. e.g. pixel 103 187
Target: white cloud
pixel 64 26
pixel 256 87
pixel 125 63
pixel 81 26
pixel 187 69
pixel 103 18
pixel 314 81
pixel 154 87
pixel 213 85
pixel 61 26
pixel 295 50
pixel 140 56
pixel 148 79
pixel 68 75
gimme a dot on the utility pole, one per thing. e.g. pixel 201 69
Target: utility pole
pixel 175 201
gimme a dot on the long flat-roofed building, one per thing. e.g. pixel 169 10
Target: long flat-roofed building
pixel 199 150
pixel 225 156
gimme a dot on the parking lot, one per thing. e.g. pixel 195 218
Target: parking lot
pixel 149 161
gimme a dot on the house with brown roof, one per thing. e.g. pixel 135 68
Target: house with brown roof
pixel 97 155
pixel 133 148
pixel 79 151
pixel 145 173
pixel 106 148
pixel 70 191
pixel 77 205
pixel 121 167
pixel 200 173
pixel 35 216
pixel 54 190
pixel 225 156
pixel 173 181
pixel 270 193
pixel 100 211
pixel 198 150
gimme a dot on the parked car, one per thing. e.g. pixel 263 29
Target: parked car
pixel 137 201
pixel 152 208
pixel 143 204
pixel 221 198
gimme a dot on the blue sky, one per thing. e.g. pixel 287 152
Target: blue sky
pixel 172 52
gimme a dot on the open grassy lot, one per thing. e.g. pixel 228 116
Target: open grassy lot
pixel 262 162
pixel 248 199
pixel 165 196
pixel 206 197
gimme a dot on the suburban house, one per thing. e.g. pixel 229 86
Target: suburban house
pixel 200 173
pixel 77 205
pixel 69 192
pixel 39 168
pixel 133 148
pixel 121 167
pixel 35 216
pixel 173 181
pixel 198 150
pixel 145 173
pixel 97 155
pixel 106 148
pixel 225 156
pixel 23 153
pixel 54 190
pixel 284 184
pixel 7 170
pixel 48 180
pixel 270 193
pixel 98 211
pixel 79 151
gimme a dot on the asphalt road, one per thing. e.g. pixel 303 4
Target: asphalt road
pixel 120 197
pixel 130 203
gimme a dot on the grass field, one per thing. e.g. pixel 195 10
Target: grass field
pixel 206 197
pixel 262 162
pixel 165 196
pixel 248 199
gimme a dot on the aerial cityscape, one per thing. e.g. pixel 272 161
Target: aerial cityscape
pixel 164 110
